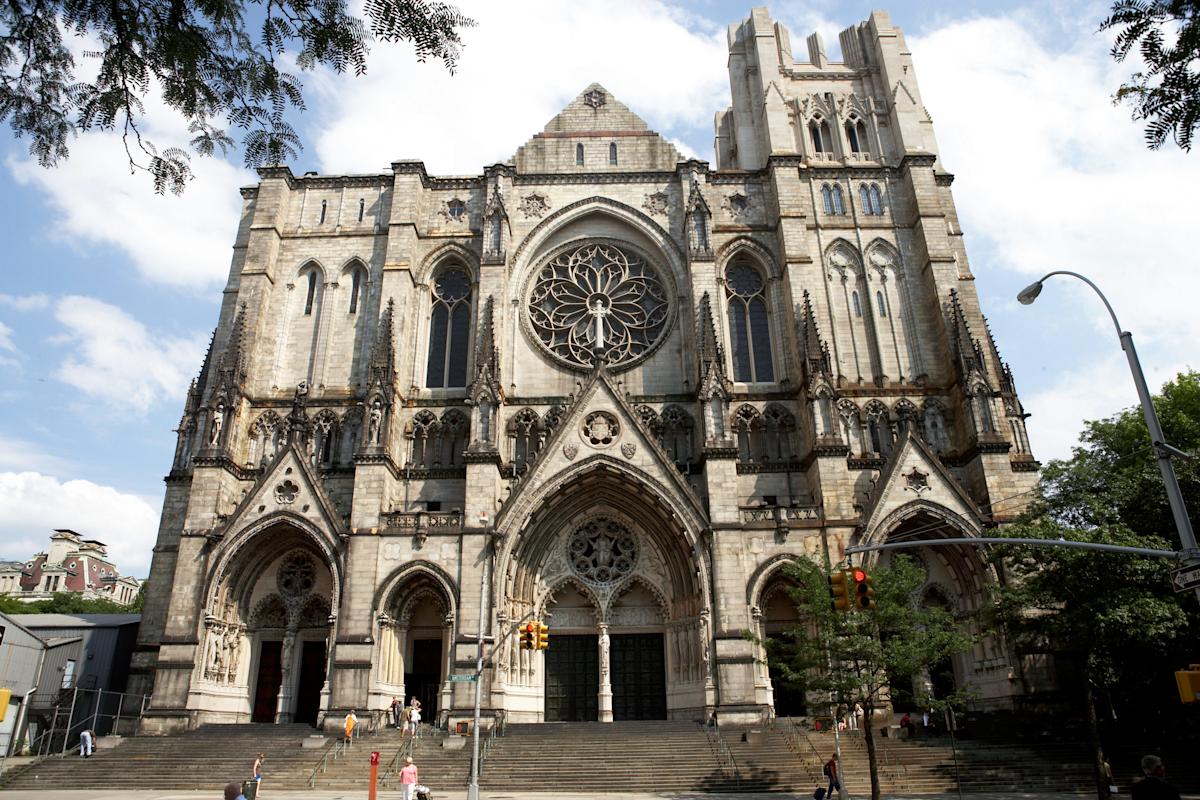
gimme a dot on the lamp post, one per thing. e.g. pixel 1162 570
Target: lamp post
pixel 1183 525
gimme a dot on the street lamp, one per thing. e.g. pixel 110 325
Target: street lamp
pixel 1183 525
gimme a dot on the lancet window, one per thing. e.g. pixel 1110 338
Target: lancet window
pixel 676 428
pixel 749 323
pixel 449 329
pixel 438 443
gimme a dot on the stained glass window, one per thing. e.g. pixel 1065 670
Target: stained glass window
pixel 749 324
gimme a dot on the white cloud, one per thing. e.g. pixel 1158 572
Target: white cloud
pixel 120 362
pixel 33 504
pixel 521 64
pixel 7 346
pixel 1053 176
pixel 21 454
pixel 26 302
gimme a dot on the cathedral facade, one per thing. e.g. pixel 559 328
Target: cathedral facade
pixel 598 385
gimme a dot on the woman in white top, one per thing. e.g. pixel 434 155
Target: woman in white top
pixel 414 715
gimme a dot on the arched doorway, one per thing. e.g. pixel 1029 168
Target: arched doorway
pixel 414 644
pixel 606 566
pixel 779 618
pixel 266 635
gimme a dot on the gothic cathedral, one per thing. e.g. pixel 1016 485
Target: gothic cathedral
pixel 597 385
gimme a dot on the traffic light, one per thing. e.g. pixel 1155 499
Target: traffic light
pixel 528 635
pixel 543 636
pixel 864 595
pixel 1188 681
pixel 839 591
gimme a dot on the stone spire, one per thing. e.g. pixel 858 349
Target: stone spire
pixel 709 351
pixel 816 353
pixel 485 392
pixel 966 346
pixel 232 369
pixel 381 367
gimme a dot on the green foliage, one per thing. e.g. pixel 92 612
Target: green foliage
pixel 849 656
pixel 69 603
pixel 1166 93
pixel 203 60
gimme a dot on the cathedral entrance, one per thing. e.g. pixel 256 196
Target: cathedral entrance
pixel 572 679
pixel 270 679
pixel 312 679
pixel 639 684
pixel 425 681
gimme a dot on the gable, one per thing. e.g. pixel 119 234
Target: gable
pixel 287 487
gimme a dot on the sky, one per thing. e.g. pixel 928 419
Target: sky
pixel 110 292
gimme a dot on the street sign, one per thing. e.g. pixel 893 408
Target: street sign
pixel 463 678
pixel 1186 579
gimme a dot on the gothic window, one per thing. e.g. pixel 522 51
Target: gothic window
pixel 324 439
pixel 876 200
pixel 579 155
pixel 879 428
pixel 880 304
pixel 981 404
pixel 864 198
pixel 324 208
pixel 676 434
pixel 497 232
pixel 839 207
pixel 822 142
pixel 854 301
pixel 749 325
pixel 851 425
pixel 313 282
pixel 453 430
pixel 700 230
pixel 449 329
pixel 456 208
pixel 779 428
pixel 650 419
pixel 906 418
pixel 424 431
pixel 856 133
pixel 827 198
pixel 351 423
pixel 599 286
pixel 356 287
pixel 612 154
pixel 267 436
pixel 362 208
pixel 748 424
pixel 526 432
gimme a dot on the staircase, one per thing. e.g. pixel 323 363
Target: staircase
pixel 578 757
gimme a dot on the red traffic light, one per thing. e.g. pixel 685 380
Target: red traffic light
pixel 530 628
pixel 860 575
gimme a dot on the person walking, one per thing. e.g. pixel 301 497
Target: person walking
pixel 257 772
pixel 351 721
pixel 414 716
pixel 85 743
pixel 831 772
pixel 397 707
pixel 1154 786
pixel 408 778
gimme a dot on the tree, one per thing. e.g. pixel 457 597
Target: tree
pixel 205 60
pixel 1166 93
pixel 70 603
pixel 849 656
pixel 1114 615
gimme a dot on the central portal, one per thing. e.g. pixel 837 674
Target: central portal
pixel 639 684
pixel 572 679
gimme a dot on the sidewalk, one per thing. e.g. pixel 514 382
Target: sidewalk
pixel 460 794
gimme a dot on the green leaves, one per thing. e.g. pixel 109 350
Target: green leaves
pixel 201 60
pixel 1167 93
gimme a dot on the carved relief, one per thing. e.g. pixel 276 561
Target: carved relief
pixel 602 551
pixel 534 205
pixel 628 449
pixel 600 429
pixel 656 204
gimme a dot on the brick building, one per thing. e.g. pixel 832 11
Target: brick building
pixel 71 564
pixel 598 384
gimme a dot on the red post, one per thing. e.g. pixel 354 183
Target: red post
pixel 374 775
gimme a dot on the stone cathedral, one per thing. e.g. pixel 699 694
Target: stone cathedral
pixel 598 385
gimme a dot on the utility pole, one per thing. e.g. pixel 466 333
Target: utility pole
pixel 843 793
pixel 473 784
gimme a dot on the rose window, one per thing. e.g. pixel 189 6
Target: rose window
pixel 598 298
pixel 602 551
pixel 297 576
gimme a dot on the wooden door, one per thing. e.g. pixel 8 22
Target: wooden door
pixel 312 679
pixel 270 678
pixel 572 679
pixel 639 678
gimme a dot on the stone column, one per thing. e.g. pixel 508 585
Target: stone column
pixel 446 694
pixel 283 709
pixel 401 652
pixel 606 713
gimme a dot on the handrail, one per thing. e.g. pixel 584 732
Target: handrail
pixel 499 724
pixel 793 736
pixel 404 750
pixel 334 749
pixel 723 754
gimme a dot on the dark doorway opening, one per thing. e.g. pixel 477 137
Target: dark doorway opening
pixel 790 699
pixel 312 679
pixel 270 678
pixel 425 680
pixel 639 680
pixel 572 679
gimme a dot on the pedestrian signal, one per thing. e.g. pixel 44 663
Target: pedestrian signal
pixel 543 636
pixel 528 635
pixel 839 591
pixel 864 595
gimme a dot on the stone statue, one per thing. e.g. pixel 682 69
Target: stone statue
pixel 604 655
pixel 218 422
pixel 375 422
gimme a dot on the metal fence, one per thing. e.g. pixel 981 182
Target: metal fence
pixel 102 712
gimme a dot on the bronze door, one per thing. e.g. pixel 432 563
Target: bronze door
pixel 312 680
pixel 270 678
pixel 639 679
pixel 572 679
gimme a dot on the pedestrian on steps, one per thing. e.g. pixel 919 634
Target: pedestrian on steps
pixel 408 778
pixel 85 743
pixel 397 706
pixel 831 772
pixel 414 715
pixel 351 721
pixel 256 771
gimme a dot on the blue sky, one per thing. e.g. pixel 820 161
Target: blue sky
pixel 110 292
